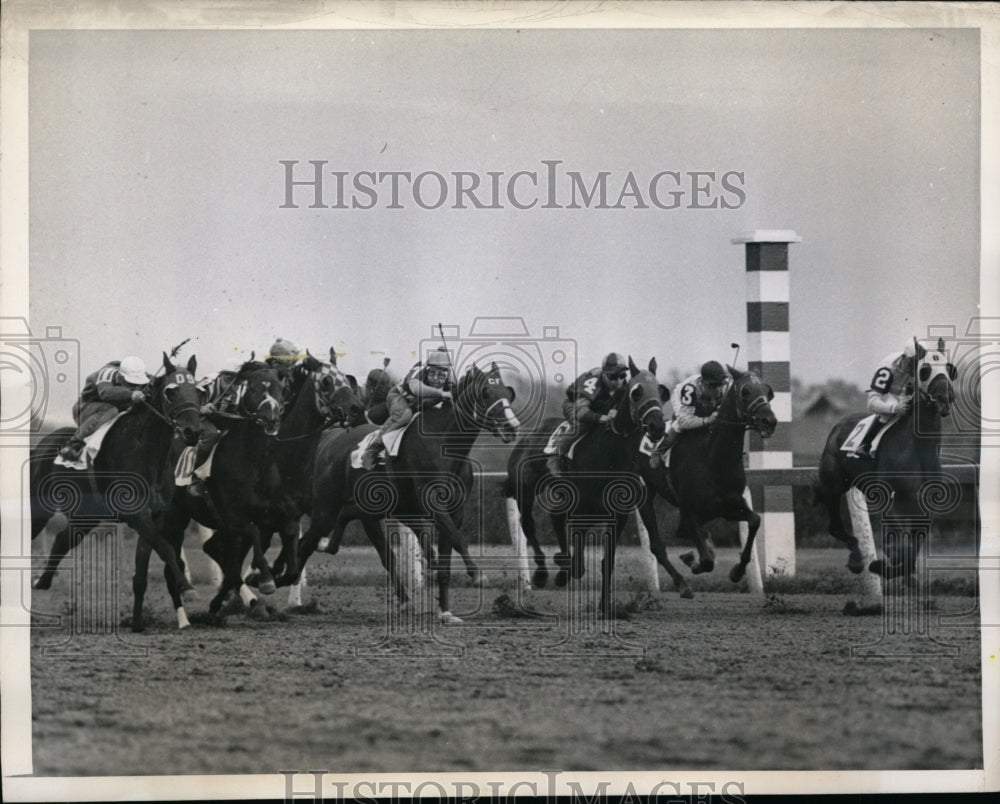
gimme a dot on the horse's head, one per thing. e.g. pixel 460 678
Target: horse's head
pixel 935 378
pixel 175 394
pixel 334 396
pixel 752 398
pixel 262 400
pixel 645 398
pixel 483 397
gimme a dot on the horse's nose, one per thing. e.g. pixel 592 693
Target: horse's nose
pixel 190 435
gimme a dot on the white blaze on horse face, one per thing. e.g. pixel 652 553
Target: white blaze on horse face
pixel 509 415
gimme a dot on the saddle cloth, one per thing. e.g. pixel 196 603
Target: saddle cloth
pixel 185 470
pixel 390 441
pixel 854 439
pixel 92 445
pixel 551 448
pixel 647 446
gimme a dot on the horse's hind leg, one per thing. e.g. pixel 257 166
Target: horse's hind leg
pixel 143 550
pixel 540 576
pixel 831 498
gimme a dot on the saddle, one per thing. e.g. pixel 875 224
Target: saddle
pixel 92 446
pixel 185 470
pixel 552 446
pixel 857 435
pixel 390 443
pixel 647 445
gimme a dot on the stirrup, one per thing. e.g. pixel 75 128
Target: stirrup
pixel 71 452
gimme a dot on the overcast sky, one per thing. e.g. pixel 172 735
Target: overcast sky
pixel 157 185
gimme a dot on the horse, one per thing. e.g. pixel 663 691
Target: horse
pixel 601 486
pixel 131 481
pixel 428 481
pixel 906 458
pixel 706 479
pixel 325 398
pixel 245 495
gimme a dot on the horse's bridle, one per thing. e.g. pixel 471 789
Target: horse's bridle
pixel 747 413
pixel 488 420
pixel 172 411
pixel 256 415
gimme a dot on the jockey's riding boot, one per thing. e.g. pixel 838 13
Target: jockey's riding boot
pixel 554 464
pixel 370 456
pixel 662 447
pixel 72 449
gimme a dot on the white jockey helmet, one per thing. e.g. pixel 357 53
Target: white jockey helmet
pixel 910 350
pixel 233 364
pixel 133 370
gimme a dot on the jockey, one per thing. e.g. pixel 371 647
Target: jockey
pixel 221 399
pixel 590 401
pixel 374 396
pixel 890 393
pixel 287 358
pixel 695 400
pixel 109 390
pixel 424 384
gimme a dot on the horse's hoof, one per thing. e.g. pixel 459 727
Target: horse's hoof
pixel 268 587
pixel 190 595
pixel 688 558
pixel 41 582
pixel 562 578
pixel 323 544
pixel 138 628
pixel 252 580
pixel 539 578
pixel 877 566
pixel 736 573
pixel 707 566
pixel 447 618
pixel 856 563
pixel 687 593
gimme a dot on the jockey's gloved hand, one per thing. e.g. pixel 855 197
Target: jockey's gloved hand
pixel 138 396
pixel 204 410
pixel 903 405
pixel 711 419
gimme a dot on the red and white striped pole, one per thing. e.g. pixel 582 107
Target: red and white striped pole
pixel 769 356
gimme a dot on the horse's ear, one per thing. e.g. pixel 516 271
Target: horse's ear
pixel 920 351
pixel 352 381
pixel 664 393
pixel 333 356
pixel 167 364
pixel 192 364
pixel 941 345
pixel 310 363
pixel 652 366
pixel 385 362
pixel 253 356
pixel 734 372
pixel 632 367
pixel 494 366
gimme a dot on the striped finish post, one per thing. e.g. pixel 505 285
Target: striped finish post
pixel 769 356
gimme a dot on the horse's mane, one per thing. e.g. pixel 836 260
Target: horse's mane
pixel 252 366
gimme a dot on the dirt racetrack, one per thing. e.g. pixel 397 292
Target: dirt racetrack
pixel 724 681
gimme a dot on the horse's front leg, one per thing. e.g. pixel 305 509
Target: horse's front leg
pixel 742 512
pixel 143 550
pixel 452 535
pixel 658 547
pixel 144 526
pixel 264 578
pixel 61 545
pixel 608 569
pixel 562 557
pixel 441 565
pixel 691 530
